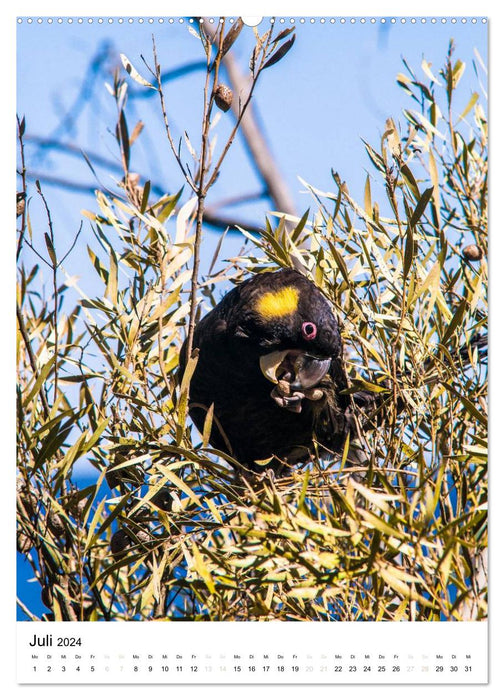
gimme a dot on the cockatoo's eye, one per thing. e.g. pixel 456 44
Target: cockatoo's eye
pixel 309 331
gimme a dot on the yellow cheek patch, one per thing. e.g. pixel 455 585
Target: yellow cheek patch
pixel 277 304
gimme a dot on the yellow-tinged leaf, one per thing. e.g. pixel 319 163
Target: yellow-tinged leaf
pixel 402 78
pixel 303 592
pixel 207 427
pixel 344 454
pixel 445 567
pixel 435 182
pixel 472 101
pixel 395 579
pixel 309 524
pixel 213 509
pixel 458 72
pixel 183 217
pixel 393 139
pixel 372 520
pixel 199 566
pixel 42 376
pixel 184 393
pixel 401 611
pixel 368 205
pixel 177 481
pixel 431 281
pixel 426 123
pixel 426 67
pixel 129 68
pixel 379 499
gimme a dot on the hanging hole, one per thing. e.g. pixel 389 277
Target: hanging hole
pixel 252 21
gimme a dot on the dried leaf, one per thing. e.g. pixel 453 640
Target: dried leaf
pixel 50 250
pixel 280 53
pixel 128 66
pixel 136 132
pixel 281 35
pixel 232 36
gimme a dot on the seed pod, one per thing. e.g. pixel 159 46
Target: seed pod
pixel 284 387
pixel 163 499
pixel 56 525
pixel 27 498
pixel 112 478
pixel 314 394
pixel 223 97
pixel 119 541
pixel 143 536
pixel 472 252
pixel 24 542
pixel 80 507
pixel 129 475
pixel 20 203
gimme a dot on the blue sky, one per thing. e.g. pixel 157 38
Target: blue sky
pixel 336 87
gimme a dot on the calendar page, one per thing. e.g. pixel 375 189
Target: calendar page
pixel 252 295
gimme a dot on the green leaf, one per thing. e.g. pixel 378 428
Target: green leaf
pixel 50 250
pixel 145 196
pixel 42 376
pixel 123 137
pixel 376 159
pixel 420 207
pixel 207 427
pixel 410 181
pixel 455 322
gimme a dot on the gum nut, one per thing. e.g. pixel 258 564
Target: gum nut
pixel 119 541
pixel 143 536
pixel 163 500
pixel 223 97
pixel 112 478
pixel 55 524
pixel 283 387
pixel 472 252
pixel 24 543
pixel 314 394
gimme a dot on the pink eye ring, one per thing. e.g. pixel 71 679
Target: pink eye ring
pixel 309 330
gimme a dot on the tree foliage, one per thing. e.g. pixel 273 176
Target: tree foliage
pixel 167 529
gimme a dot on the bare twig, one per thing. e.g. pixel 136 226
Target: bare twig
pixel 174 149
pixel 261 154
pixel 54 267
pixel 22 228
pixel 203 185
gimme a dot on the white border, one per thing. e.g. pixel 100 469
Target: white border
pixel 359 9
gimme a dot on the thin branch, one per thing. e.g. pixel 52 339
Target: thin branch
pixel 22 228
pixel 32 358
pixel 167 76
pixel 54 268
pixel 169 136
pixel 203 185
pixel 262 157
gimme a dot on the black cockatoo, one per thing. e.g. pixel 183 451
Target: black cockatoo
pixel 270 363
